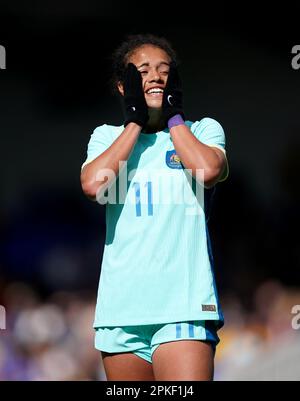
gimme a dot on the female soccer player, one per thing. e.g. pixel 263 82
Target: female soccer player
pixel 157 312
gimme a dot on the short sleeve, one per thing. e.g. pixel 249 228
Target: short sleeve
pixel 211 133
pixel 100 140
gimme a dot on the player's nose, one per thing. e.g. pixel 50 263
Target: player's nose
pixel 154 76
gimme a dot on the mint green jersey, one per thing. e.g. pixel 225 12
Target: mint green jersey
pixel 157 265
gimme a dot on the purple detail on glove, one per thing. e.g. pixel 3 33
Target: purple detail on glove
pixel 175 120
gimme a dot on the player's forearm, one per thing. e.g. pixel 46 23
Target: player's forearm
pixel 195 155
pixel 105 168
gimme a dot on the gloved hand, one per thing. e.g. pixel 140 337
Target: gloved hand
pixel 172 97
pixel 136 109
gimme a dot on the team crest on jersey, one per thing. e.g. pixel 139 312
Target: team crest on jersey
pixel 173 160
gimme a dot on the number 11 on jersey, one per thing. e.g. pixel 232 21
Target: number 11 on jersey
pixel 138 206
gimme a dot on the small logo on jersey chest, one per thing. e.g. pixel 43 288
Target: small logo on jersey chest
pixel 173 160
pixel 209 308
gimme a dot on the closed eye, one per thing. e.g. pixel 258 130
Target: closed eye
pixel 164 71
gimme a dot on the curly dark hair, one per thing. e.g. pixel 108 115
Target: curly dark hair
pixel 121 55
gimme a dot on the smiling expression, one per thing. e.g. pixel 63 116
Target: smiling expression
pixel 153 64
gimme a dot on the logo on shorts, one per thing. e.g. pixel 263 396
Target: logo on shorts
pixel 209 308
pixel 173 160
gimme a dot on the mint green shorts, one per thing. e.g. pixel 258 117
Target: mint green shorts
pixel 144 339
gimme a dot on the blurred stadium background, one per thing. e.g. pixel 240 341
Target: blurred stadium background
pixel 236 68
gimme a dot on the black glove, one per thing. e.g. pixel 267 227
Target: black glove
pixel 172 97
pixel 136 109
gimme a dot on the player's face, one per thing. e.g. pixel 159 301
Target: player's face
pixel 153 64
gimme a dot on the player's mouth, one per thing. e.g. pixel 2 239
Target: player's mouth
pixel 155 92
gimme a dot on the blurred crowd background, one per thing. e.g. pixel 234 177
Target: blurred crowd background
pixel 236 67
pixel 51 338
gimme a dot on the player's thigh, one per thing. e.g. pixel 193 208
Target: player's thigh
pixel 184 360
pixel 126 366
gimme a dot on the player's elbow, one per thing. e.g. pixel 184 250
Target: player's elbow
pixel 95 185
pixel 93 189
pixel 212 176
pixel 88 185
pixel 89 189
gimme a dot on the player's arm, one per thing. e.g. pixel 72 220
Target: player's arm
pixel 97 175
pixel 195 155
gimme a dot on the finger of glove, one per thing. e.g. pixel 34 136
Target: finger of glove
pixel 177 97
pixel 132 81
pixel 173 81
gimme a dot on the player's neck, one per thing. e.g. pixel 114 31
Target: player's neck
pixel 155 122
